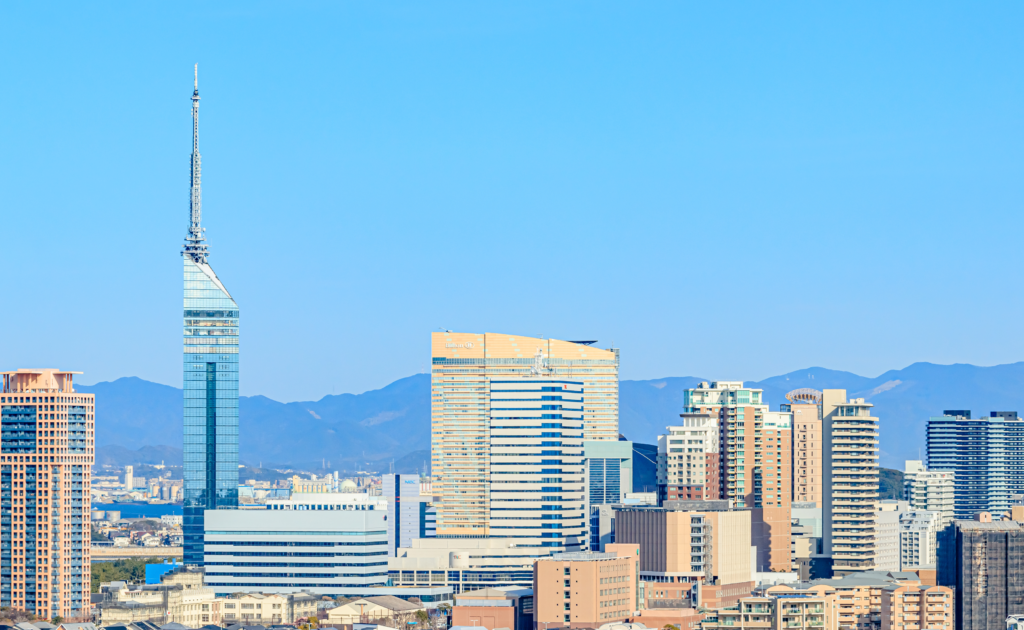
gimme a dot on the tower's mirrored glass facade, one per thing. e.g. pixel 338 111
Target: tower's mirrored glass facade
pixel 211 402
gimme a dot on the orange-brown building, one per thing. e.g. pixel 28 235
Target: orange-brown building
pixel 755 467
pixel 492 608
pixel 586 589
pixel 811 608
pixel 46 457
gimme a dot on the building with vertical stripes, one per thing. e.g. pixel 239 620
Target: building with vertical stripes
pixel 46 457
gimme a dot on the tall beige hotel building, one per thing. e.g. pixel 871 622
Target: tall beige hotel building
pixel 509 415
pixel 46 457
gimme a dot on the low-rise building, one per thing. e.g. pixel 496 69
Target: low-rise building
pixel 780 608
pixel 587 589
pixel 250 609
pixel 917 607
pixel 382 609
pixel 494 608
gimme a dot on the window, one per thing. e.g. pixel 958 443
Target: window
pixel 567 619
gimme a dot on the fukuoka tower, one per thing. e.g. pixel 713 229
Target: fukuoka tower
pixel 210 374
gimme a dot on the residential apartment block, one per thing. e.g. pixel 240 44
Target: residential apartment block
pixel 850 482
pixel 918 539
pixel 688 459
pixel 46 457
pixel 986 456
pixel 780 608
pixel 463 369
pixel 934 491
pixel 586 589
pixel 808 445
pixel 755 452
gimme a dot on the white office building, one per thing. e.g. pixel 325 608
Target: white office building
pixel 887 549
pixel 329 552
pixel 328 501
pixel 410 514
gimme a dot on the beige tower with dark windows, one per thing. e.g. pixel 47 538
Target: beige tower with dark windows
pixel 46 457
pixel 850 476
pixel 808 442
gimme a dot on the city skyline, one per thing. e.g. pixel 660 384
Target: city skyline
pixel 835 154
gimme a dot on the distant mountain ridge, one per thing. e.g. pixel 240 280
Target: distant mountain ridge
pixel 353 431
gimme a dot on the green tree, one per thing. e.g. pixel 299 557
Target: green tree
pixel 128 570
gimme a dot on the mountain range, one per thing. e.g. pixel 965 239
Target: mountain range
pixel 140 422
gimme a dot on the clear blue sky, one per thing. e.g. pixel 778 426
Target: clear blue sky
pixel 729 190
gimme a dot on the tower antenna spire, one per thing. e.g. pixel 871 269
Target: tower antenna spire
pixel 195 241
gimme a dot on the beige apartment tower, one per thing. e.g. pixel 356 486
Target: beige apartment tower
pixel 808 441
pixel 473 452
pixel 46 457
pixel 755 462
pixel 849 516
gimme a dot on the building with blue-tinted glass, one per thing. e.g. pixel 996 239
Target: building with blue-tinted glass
pixel 210 377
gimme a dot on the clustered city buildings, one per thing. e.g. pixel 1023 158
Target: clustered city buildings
pixel 537 512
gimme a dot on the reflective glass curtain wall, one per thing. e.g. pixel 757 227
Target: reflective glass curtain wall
pixel 211 402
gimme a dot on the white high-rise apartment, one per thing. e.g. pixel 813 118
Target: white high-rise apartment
pixel 688 459
pixel 930 490
pixel 887 538
pixel 850 480
pixel 465 368
pixel 918 529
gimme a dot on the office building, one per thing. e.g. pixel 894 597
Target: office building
pixel 129 478
pixel 986 456
pixel 586 589
pixel 645 467
pixel 328 502
pixel 918 532
pixel 934 491
pixel 407 511
pixel 462 565
pixel 755 460
pixel 46 458
pixel 463 370
pixel 609 470
pixel 329 552
pixel 808 441
pixel 983 561
pixel 850 482
pixel 210 376
pixel 704 543
pixel 688 459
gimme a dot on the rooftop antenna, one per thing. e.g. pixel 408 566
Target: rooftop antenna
pixel 195 241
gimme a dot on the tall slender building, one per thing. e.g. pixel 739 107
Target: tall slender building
pixel 46 457
pixel 210 375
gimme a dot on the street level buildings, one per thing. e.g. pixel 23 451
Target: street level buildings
pixel 755 462
pixel 210 375
pixel 850 482
pixel 986 456
pixel 464 368
pixel 46 456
